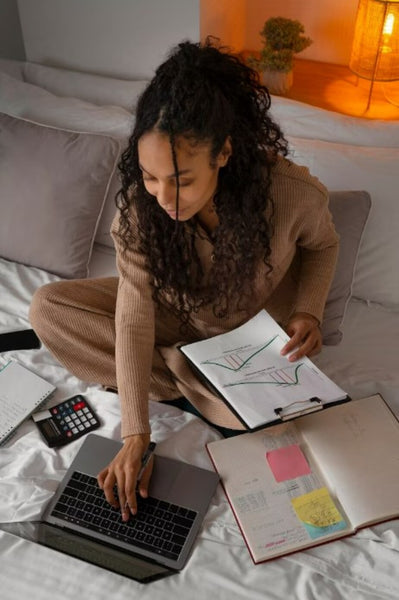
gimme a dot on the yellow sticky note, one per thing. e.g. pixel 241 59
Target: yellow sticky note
pixel 317 508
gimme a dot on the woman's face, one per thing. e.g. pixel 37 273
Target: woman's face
pixel 197 178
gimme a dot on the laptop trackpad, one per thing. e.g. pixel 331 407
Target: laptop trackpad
pixel 180 483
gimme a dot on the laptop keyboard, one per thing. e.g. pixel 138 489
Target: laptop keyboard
pixel 158 526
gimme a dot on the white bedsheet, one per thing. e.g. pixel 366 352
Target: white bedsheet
pixel 362 567
pixel 367 360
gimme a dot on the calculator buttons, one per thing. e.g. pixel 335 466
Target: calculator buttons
pixel 67 421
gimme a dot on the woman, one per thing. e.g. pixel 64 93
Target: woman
pixel 213 225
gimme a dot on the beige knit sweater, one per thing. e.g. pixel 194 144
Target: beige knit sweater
pixel 148 363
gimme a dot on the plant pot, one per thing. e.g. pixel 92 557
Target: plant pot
pixel 277 82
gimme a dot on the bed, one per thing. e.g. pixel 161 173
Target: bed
pixel 74 126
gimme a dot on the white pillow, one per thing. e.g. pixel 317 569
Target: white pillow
pixel 305 121
pixel 344 166
pixel 93 88
pixel 21 99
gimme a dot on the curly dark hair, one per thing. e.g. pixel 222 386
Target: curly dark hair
pixel 204 93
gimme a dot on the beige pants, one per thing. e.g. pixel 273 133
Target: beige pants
pixel 76 321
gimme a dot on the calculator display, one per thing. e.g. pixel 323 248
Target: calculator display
pixel 67 421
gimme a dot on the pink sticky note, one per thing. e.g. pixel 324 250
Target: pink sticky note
pixel 287 463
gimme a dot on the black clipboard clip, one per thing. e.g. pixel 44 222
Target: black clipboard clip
pixel 299 410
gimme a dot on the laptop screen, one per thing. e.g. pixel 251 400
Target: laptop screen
pixel 100 554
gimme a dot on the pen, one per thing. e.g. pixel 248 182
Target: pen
pixel 146 459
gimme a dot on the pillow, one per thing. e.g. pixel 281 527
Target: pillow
pixel 93 88
pixel 350 211
pixel 53 184
pixel 21 99
pixel 103 235
pixel 343 166
pixel 14 68
pixel 306 121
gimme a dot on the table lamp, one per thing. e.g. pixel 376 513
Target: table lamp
pixel 375 49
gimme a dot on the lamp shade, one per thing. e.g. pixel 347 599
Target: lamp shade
pixel 375 49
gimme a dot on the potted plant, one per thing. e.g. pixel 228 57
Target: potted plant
pixel 282 38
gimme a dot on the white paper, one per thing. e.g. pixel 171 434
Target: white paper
pixel 246 367
pixel 358 446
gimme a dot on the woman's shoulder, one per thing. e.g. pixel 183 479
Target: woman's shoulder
pixel 288 176
pixel 297 195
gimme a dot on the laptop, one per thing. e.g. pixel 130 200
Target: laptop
pixel 155 543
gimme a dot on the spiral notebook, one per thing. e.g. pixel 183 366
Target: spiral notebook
pixel 21 393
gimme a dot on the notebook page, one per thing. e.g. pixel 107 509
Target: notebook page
pixel 262 491
pixel 21 392
pixel 357 446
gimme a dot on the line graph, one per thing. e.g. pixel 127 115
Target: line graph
pixel 246 367
pixel 235 361
pixel 283 377
pixel 259 365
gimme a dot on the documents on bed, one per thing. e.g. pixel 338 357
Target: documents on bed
pixel 315 479
pixel 245 367
pixel 21 392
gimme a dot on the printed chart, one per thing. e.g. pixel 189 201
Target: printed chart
pixel 258 381
pixel 259 365
pixel 246 367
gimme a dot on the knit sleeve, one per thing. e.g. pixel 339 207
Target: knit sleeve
pixel 306 243
pixel 134 344
pixel 318 245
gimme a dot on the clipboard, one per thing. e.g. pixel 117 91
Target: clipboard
pixel 281 413
pixel 299 408
pixel 260 385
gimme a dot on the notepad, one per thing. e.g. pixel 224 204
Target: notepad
pixel 21 393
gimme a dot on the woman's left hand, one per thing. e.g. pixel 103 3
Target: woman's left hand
pixel 305 334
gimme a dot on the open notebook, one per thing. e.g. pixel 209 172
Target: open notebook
pixel 313 480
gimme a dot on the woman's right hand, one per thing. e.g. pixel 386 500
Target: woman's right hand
pixel 123 471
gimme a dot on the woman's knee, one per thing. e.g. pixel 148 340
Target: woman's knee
pixel 46 303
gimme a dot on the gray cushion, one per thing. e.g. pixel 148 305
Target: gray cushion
pixel 350 210
pixel 53 184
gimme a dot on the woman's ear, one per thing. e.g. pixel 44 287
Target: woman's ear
pixel 225 153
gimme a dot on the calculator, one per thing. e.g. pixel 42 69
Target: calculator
pixel 67 421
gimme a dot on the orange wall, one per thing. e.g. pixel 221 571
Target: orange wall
pixel 225 19
pixel 330 24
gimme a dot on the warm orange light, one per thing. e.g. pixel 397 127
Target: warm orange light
pixel 375 49
pixel 388 25
pixel 387 33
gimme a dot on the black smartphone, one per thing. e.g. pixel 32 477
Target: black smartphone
pixel 24 339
